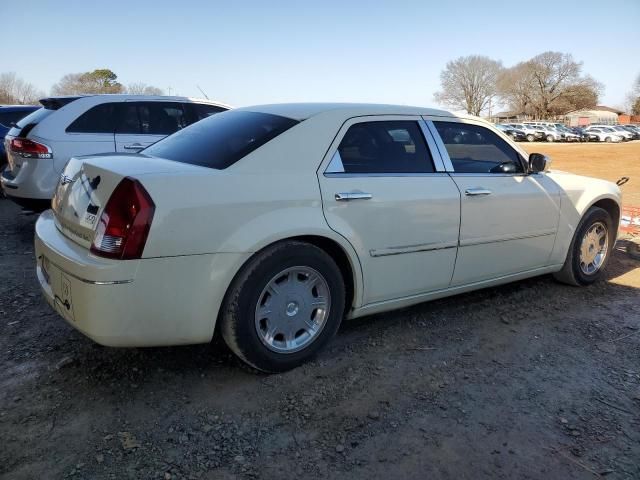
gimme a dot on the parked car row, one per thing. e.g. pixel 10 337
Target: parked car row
pixel 39 145
pixel 614 133
pixel 558 132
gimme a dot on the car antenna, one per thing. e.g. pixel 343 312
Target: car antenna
pixel 202 92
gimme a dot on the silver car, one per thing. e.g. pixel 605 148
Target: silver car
pixel 41 144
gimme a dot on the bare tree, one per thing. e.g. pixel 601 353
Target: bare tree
pixel 633 98
pixel 140 88
pixel 14 90
pixel 98 81
pixel 549 84
pixel 469 83
pixel 516 87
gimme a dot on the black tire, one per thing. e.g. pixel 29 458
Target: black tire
pixel 237 322
pixel 530 138
pixel 571 273
pixel 607 139
pixel 550 138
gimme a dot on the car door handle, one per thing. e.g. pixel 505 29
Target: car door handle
pixel 472 192
pixel 134 146
pixel 347 196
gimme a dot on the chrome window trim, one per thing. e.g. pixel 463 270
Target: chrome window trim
pixel 335 165
pixel 390 174
pixel 438 163
pixel 444 155
pixel 486 174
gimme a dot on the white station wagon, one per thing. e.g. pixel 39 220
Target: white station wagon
pixel 273 223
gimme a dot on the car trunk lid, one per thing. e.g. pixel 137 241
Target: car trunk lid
pixel 86 184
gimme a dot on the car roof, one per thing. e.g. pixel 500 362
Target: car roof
pixel 61 100
pixel 17 108
pixel 303 111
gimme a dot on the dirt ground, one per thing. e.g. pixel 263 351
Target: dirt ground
pixel 601 160
pixel 533 380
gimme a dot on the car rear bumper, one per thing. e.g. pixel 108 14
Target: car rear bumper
pixel 35 179
pixel 131 303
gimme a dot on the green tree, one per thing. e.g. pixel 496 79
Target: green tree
pixel 101 80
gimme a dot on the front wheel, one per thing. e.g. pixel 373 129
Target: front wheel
pixel 590 249
pixel 550 138
pixel 530 138
pixel 607 139
pixel 283 306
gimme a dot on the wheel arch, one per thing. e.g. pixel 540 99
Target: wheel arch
pixel 341 252
pixel 611 206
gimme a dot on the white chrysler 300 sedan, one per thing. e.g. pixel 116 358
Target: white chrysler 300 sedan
pixel 272 223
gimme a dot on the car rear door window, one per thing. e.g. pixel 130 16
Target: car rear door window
pixel 385 147
pixel 151 118
pixel 221 140
pixel 129 120
pixel 476 149
pixel 98 119
pixel 161 118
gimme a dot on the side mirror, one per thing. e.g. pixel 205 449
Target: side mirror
pixel 538 163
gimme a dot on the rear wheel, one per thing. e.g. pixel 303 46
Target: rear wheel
pixel 590 249
pixel 283 306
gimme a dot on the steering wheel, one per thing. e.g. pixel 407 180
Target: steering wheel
pixel 504 167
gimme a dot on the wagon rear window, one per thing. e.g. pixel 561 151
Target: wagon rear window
pixel 222 139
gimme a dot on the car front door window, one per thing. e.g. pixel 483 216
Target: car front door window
pixel 476 149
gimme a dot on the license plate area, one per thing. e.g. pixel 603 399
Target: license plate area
pixel 60 285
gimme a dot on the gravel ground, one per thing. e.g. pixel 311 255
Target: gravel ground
pixel 533 380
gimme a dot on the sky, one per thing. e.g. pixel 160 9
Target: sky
pixel 255 52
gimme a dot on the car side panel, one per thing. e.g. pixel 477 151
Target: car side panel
pixel 577 195
pixel 249 213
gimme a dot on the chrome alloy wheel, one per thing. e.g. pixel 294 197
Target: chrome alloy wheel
pixel 292 309
pixel 594 248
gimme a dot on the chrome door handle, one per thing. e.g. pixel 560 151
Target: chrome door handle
pixel 472 192
pixel 347 196
pixel 134 146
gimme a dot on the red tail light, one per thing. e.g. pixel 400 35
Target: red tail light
pixel 125 222
pixel 29 149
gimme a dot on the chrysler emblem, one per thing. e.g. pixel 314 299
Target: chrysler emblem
pixel 64 180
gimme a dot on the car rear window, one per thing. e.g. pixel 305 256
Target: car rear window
pixel 98 119
pixel 222 139
pixel 24 126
